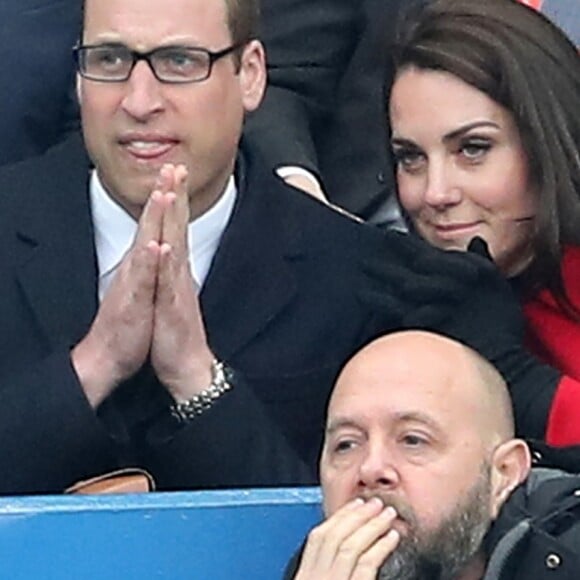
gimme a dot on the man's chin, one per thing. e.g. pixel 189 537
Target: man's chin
pixel 453 546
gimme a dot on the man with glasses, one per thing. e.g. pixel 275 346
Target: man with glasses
pixel 117 243
pixel 145 261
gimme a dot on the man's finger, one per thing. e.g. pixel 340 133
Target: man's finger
pixel 151 221
pixel 369 563
pixel 363 538
pixel 176 215
pixel 324 550
pixel 149 227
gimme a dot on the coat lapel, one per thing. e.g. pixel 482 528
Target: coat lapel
pixel 58 272
pixel 251 280
pixel 252 277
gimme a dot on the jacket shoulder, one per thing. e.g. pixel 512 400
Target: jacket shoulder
pixel 56 158
pixel 538 532
pixel 36 182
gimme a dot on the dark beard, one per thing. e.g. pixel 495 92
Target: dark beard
pixel 443 553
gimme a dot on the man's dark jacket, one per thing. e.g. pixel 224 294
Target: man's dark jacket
pixel 279 305
pixel 537 534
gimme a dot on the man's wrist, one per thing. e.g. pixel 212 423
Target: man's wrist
pixel 187 376
pixel 221 383
pixel 93 371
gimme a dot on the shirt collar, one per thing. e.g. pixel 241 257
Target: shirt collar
pixel 115 230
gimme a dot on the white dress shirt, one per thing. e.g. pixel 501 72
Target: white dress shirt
pixel 115 230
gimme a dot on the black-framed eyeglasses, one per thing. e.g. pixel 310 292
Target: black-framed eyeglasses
pixel 114 63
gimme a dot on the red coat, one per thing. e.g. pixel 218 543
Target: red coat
pixel 555 338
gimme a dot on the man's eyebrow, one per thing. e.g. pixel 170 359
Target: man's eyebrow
pixel 416 417
pixel 396 418
pixel 451 136
pixel 341 423
pixel 108 37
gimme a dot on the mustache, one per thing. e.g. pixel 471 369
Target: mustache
pixel 404 511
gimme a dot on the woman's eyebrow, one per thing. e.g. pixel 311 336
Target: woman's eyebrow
pixel 451 136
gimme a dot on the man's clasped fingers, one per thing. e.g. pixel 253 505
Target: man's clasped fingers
pixel 176 213
pixel 166 214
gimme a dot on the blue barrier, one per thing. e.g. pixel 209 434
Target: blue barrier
pixel 209 535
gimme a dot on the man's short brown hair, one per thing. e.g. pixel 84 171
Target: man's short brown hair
pixel 243 18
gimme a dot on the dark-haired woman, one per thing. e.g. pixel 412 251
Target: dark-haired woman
pixel 486 132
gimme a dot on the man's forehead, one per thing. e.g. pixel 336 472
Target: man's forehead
pixel 194 21
pixel 440 402
pixel 395 389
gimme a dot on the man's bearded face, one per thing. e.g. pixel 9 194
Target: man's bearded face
pixel 444 552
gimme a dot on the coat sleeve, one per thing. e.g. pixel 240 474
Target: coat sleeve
pixel 51 437
pixel 308 44
pixel 234 443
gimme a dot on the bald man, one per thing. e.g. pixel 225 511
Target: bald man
pixel 418 462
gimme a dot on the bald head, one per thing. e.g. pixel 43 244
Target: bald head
pixel 425 424
pixel 451 371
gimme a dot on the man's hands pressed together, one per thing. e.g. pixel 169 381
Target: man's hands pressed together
pixel 351 544
pixel 152 307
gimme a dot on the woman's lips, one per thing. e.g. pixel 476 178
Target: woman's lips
pixel 448 231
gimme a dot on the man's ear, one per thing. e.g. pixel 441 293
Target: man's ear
pixel 511 463
pixel 253 74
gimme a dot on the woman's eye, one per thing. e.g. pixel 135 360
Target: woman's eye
pixel 474 150
pixel 409 159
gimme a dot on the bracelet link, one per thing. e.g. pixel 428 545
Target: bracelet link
pixel 221 383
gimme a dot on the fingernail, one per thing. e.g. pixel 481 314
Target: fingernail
pixel 390 511
pixel 376 501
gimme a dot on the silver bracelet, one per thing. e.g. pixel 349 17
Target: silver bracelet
pixel 221 382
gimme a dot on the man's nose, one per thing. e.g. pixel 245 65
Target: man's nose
pixel 143 93
pixel 378 469
pixel 442 188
